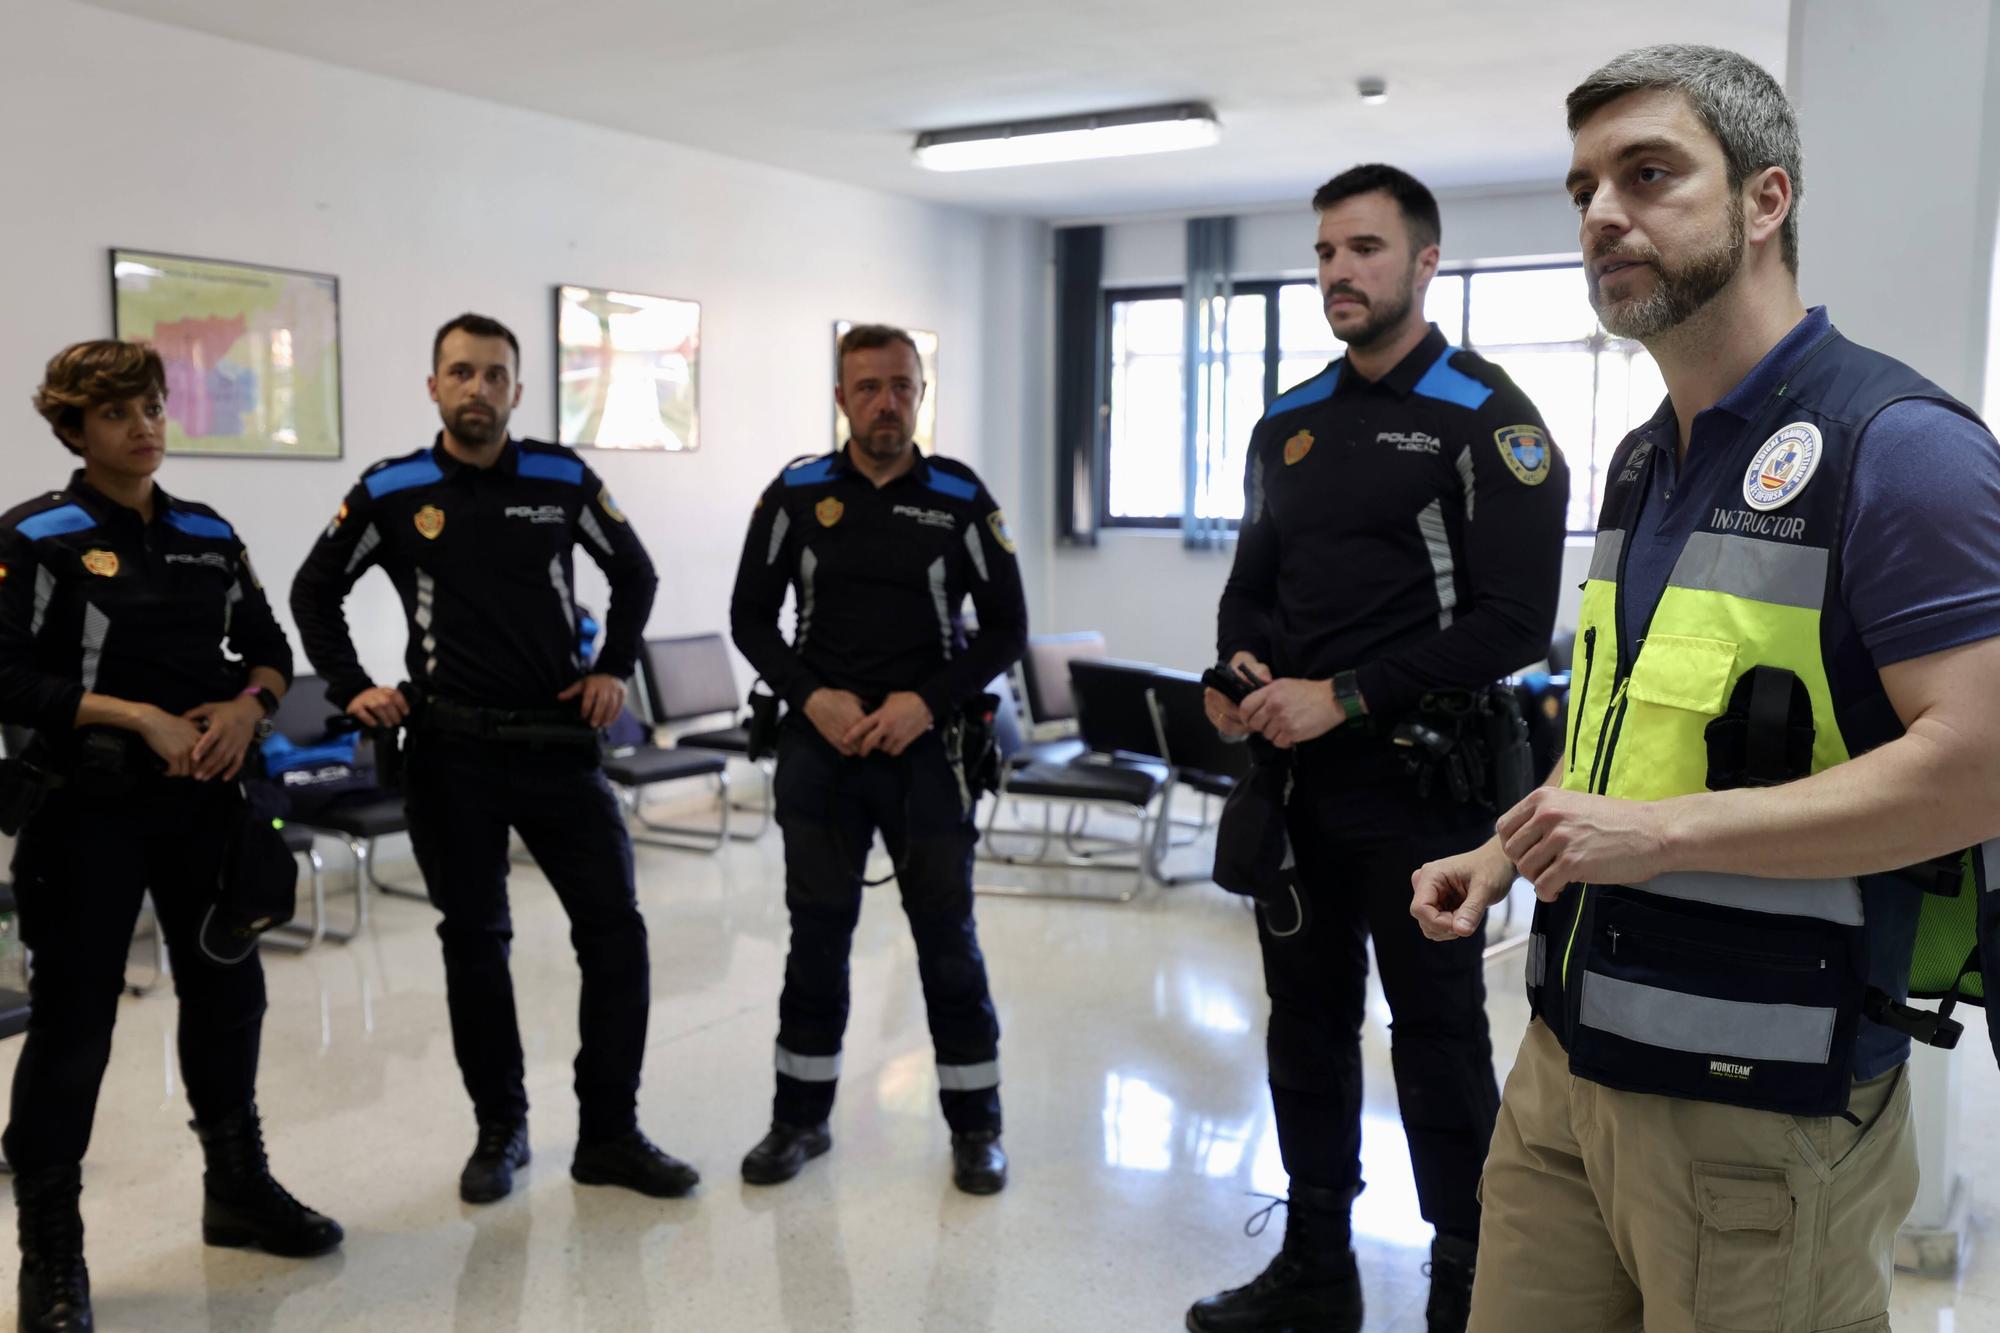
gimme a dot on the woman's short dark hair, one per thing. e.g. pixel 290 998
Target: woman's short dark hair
pixel 85 375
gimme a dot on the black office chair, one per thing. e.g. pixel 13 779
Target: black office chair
pixel 1197 757
pixel 690 677
pixel 1046 676
pixel 358 818
pixel 1119 771
pixel 635 768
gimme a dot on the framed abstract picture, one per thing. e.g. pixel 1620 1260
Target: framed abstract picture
pixel 927 356
pixel 628 370
pixel 252 353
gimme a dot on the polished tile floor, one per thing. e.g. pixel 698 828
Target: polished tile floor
pixel 1137 1117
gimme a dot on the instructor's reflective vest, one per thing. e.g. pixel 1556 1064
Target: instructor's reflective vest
pixel 1734 988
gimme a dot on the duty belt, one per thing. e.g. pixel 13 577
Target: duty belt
pixel 514 726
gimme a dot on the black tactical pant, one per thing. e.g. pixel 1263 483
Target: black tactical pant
pixel 830 807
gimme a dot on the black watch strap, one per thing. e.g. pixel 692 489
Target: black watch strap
pixel 265 700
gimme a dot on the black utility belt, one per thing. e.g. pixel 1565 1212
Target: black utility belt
pixel 1467 746
pixel 504 726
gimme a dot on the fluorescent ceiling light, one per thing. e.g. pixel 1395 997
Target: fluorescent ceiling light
pixel 1154 129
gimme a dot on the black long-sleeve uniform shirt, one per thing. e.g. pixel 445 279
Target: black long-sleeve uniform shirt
pixel 1409 529
pixel 881 577
pixel 95 598
pixel 484 561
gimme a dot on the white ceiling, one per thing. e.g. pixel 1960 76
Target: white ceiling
pixel 838 90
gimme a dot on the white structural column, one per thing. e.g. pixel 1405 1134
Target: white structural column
pixel 1899 106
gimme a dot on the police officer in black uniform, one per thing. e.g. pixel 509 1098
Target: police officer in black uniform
pixel 478 535
pixel 137 644
pixel 882 545
pixel 1401 546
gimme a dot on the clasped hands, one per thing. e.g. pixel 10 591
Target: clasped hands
pixel 852 730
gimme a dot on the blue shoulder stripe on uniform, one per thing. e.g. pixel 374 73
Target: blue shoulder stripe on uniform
pixel 551 467
pixel 401 477
pixel 944 483
pixel 56 522
pixel 1445 381
pixel 199 525
pixel 1315 390
pixel 807 474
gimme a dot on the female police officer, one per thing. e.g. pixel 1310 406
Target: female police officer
pixel 116 601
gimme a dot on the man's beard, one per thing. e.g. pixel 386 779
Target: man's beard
pixel 468 427
pixel 1679 290
pixel 1385 318
pixel 886 442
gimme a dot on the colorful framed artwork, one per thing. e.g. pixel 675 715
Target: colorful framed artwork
pixel 252 353
pixel 628 370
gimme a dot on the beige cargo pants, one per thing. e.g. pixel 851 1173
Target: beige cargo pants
pixel 1609 1210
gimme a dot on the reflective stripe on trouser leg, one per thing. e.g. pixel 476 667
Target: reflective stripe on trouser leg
pixel 807 1068
pixel 969 1078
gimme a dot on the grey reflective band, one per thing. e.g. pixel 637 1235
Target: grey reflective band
pixel 1747 567
pixel 942 605
pixel 1989 863
pixel 426 611
pixel 808 1068
pixel 1538 960
pixel 1703 1025
pixel 370 539
pixel 568 606
pixel 978 550
pixel 96 626
pixel 1465 475
pixel 594 530
pixel 1430 523
pixel 1604 556
pixel 808 566
pixel 969 1078
pixel 229 604
pixel 45 588
pixel 780 525
pixel 1835 900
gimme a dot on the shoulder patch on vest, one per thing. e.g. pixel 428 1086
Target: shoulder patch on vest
pixel 1782 467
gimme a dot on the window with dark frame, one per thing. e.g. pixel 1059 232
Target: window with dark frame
pixel 1531 320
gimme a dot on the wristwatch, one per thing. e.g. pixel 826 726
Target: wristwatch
pixel 266 701
pixel 1347 693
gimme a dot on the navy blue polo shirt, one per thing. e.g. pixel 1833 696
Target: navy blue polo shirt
pixel 1919 555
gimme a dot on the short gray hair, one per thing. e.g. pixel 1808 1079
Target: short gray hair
pixel 1737 99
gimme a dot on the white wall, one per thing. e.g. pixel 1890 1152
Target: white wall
pixel 1155 600
pixel 121 132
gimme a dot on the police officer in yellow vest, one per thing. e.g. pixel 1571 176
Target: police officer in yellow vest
pixel 1786 687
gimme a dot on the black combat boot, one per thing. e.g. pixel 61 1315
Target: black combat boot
pixel 243 1205
pixel 55 1286
pixel 784 1152
pixel 1450 1271
pixel 1312 1286
pixel 501 1150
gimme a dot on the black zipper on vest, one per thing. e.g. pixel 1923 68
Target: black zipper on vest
pixel 1578 703
pixel 1720 952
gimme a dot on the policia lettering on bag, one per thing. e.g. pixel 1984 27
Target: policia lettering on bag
pixel 136 642
pixel 1400 552
pixel 1787 681
pixel 881 546
pixel 478 534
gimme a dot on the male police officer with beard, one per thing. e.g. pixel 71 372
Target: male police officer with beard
pixel 1400 551
pixel 882 546
pixel 478 534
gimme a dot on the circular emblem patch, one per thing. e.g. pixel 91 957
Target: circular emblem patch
pixel 101 563
pixel 1782 467
pixel 604 498
pixel 430 522
pixel 1525 451
pixel 828 511
pixel 1298 447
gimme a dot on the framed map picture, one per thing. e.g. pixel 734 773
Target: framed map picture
pixel 927 356
pixel 628 370
pixel 252 353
